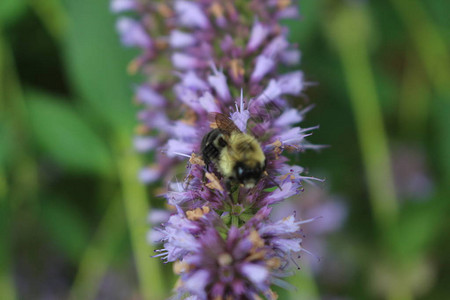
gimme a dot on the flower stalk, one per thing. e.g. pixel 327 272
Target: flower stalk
pixel 204 59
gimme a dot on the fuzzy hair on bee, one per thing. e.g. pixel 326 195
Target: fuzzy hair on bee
pixel 236 155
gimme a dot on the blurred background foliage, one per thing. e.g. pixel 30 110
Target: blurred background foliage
pixel 73 216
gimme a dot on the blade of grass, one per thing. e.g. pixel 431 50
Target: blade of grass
pixel 430 44
pixel 7 288
pixel 136 210
pixel 24 176
pixel 348 33
pixel 99 253
pixel 414 101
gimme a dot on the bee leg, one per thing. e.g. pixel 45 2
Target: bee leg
pixel 206 170
pixel 272 180
pixel 204 178
pixel 228 187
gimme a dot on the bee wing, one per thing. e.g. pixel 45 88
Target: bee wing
pixel 263 114
pixel 223 123
pixel 265 111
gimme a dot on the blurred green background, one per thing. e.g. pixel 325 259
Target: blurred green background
pixel 73 216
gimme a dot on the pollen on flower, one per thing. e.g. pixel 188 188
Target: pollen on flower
pixel 277 148
pixel 274 263
pixel 257 297
pixel 134 66
pixel 197 213
pixel 178 283
pixel 258 255
pixel 164 10
pixel 282 4
pixel 195 160
pixel 141 129
pixel 256 240
pixel 225 259
pixel 180 267
pixel 236 68
pixel 214 182
pixel 283 177
pixel 217 10
pixel 288 219
pixel 190 118
pixel 273 295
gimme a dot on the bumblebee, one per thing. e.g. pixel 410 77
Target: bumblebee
pixel 237 156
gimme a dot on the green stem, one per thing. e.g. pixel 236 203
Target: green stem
pixel 7 288
pixel 235 221
pixel 23 182
pixel 350 30
pixel 304 279
pixel 99 253
pixel 414 101
pixel 430 45
pixel 136 210
pixel 24 177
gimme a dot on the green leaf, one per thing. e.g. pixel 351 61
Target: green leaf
pixel 301 31
pixel 6 142
pixel 7 291
pixel 97 62
pixel 66 227
pixel 271 189
pixel 439 12
pixel 417 228
pixel 441 124
pixel 65 137
pixel 10 10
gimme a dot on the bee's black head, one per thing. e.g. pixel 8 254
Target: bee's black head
pixel 248 175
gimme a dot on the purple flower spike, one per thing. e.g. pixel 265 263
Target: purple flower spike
pixel 144 144
pixel 148 96
pixel 219 83
pixel 133 34
pixel 197 282
pixel 149 175
pixel 175 147
pixel 257 36
pixel 263 66
pixel 291 83
pixel 290 57
pixel 241 116
pixel 123 5
pixel 180 39
pixel 223 113
pixel 208 102
pixel 192 81
pixel 190 14
pixel 276 46
pixel 185 62
pixel 258 274
pixel 288 118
